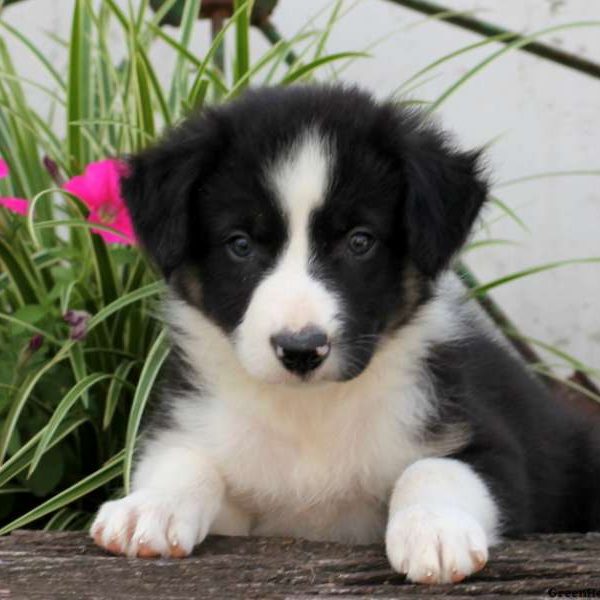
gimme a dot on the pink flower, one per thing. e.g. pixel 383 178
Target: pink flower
pixel 99 189
pixel 16 205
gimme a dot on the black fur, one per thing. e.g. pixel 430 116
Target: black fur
pixel 538 455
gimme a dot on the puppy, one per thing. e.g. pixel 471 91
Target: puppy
pixel 327 379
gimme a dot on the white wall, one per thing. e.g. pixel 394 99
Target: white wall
pixel 543 117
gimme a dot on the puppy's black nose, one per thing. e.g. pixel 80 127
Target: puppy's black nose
pixel 301 351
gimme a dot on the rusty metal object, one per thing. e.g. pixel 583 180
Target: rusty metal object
pixel 216 10
pixel 220 9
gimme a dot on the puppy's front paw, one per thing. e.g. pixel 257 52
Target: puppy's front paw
pixel 434 544
pixel 148 524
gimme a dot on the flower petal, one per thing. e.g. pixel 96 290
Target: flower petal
pixel 125 237
pixel 100 188
pixel 99 185
pixel 3 169
pixel 99 175
pixel 123 224
pixel 16 205
pixel 80 186
pixel 91 186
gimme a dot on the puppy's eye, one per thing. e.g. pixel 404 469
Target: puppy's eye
pixel 360 242
pixel 239 245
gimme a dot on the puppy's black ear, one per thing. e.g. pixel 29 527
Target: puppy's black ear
pixel 443 188
pixel 161 184
pixel 444 194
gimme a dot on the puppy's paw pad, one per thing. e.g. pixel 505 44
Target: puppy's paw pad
pixel 147 525
pixel 433 544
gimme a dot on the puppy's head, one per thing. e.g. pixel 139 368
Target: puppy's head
pixel 307 223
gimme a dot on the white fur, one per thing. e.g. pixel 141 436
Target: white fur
pixel 317 461
pixel 441 520
pixel 290 297
pixel 167 511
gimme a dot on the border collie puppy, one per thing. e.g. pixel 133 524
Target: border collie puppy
pixel 327 380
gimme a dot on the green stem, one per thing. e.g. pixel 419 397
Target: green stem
pixel 216 25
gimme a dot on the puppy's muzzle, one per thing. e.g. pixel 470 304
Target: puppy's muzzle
pixel 301 351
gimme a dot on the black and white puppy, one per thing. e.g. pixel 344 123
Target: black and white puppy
pixel 327 380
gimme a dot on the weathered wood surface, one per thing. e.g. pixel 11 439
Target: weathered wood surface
pixel 36 565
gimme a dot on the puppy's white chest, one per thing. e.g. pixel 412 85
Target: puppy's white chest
pixel 321 476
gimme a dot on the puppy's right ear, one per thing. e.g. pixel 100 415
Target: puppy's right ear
pixel 163 181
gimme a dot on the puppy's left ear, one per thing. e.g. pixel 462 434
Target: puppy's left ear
pixel 445 190
pixel 164 182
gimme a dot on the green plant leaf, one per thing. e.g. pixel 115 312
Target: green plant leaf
pixel 108 472
pixel 305 70
pixel 18 403
pixel 486 244
pixel 26 325
pixel 62 519
pixel 333 17
pixel 114 391
pixel 61 412
pixel 242 41
pixel 191 10
pixel 36 52
pixel 512 46
pixel 21 459
pixel 507 210
pixel 548 175
pixel 154 361
pixel 78 95
pixel 32 379
pixel 51 470
pixel 144 112
pixel 443 59
pixel 145 67
pixel 24 285
pixel 486 287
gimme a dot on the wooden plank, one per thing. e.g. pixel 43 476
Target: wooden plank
pixel 36 565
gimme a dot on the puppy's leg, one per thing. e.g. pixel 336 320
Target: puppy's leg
pixel 442 518
pixel 177 494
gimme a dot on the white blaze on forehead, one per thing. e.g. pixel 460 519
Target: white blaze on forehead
pixel 300 178
pixel 291 297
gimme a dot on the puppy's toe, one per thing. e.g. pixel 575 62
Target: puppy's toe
pixel 433 544
pixel 148 525
pixel 114 526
